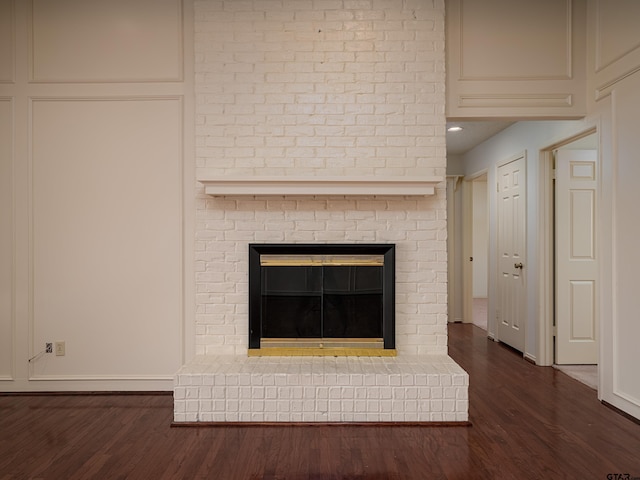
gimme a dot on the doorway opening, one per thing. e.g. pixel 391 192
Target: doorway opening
pixel 569 283
pixel 479 251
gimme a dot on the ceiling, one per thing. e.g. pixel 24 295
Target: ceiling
pixel 472 134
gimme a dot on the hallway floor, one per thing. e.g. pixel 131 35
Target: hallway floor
pixel 479 312
pixel 587 374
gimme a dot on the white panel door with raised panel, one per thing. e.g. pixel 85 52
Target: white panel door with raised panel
pixel 511 252
pixel 576 261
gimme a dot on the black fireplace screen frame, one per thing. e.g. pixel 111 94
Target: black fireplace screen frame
pixel 388 275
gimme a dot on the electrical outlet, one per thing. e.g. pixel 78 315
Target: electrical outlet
pixel 48 347
pixel 60 349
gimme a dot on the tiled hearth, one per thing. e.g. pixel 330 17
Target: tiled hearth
pixel 426 388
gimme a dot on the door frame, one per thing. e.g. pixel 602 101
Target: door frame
pixel 546 248
pixel 454 249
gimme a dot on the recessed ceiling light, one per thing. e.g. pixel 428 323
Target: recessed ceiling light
pixel 454 129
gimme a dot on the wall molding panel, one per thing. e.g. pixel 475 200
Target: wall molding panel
pixel 605 89
pixel 7 239
pixel 485 57
pixel 622 347
pixel 540 72
pixel 614 66
pixel 610 48
pixel 515 101
pixel 86 200
pixel 103 173
pixel 7 41
pixel 623 395
pixel 119 41
pixel 615 44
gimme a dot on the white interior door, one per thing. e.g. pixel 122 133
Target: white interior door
pixel 511 253
pixel 576 262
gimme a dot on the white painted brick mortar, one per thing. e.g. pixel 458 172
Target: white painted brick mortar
pixel 322 87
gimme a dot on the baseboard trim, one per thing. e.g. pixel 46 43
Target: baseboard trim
pixel 88 393
pixel 317 424
pixel 621 412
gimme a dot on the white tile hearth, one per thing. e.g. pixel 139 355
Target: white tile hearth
pixel 230 388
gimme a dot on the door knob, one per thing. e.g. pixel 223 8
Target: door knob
pixel 518 265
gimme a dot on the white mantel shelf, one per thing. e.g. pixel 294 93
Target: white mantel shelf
pixel 368 185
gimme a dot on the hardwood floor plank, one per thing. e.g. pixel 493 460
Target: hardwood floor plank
pixel 528 422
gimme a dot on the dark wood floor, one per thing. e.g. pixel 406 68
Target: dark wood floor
pixel 528 422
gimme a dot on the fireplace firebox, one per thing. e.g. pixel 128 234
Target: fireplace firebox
pixel 326 299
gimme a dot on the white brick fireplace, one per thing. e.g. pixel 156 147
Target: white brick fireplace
pixel 294 90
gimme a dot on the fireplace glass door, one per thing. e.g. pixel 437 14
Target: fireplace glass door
pixel 321 296
pixel 324 302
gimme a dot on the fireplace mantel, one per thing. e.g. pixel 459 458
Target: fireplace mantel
pixel 217 185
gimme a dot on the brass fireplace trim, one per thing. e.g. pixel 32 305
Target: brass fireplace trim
pixel 267 260
pixel 380 255
pixel 327 347
pixel 322 352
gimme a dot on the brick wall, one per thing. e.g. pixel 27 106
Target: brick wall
pixel 320 87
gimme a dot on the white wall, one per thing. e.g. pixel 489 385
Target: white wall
pixel 455 164
pixel 619 353
pixel 93 100
pixel 614 83
pixel 613 102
